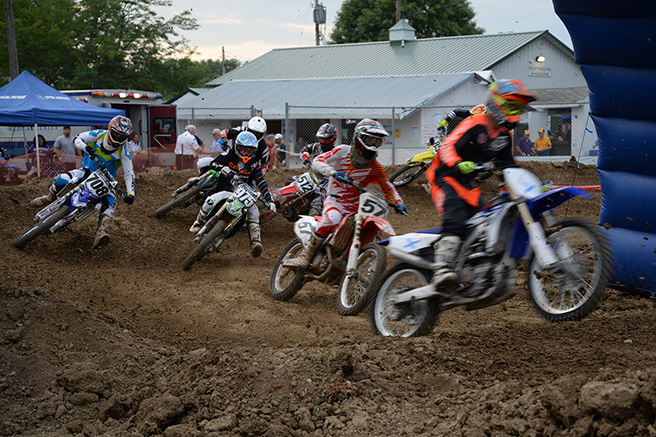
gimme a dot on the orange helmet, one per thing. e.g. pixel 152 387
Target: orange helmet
pixel 507 100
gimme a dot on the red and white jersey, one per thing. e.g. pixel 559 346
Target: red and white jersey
pixel 339 160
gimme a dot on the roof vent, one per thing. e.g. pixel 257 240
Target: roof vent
pixel 401 32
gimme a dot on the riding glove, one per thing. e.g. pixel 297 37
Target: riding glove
pixel 466 167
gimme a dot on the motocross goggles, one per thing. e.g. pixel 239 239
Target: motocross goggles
pixel 246 151
pixel 371 143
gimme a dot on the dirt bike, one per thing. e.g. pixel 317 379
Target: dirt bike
pixel 77 201
pixel 195 191
pixel 225 219
pixel 418 164
pixel 294 199
pixel 568 262
pixel 339 259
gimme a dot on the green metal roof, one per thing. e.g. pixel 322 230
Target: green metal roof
pixel 452 54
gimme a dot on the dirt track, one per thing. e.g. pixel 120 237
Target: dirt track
pixel 121 341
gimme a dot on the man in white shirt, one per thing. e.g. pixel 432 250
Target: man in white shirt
pixel 187 149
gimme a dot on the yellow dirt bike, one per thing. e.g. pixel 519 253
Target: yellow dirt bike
pixel 418 164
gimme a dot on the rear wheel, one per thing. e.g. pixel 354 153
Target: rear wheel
pixel 202 246
pixel 406 174
pixel 286 282
pixel 355 290
pixel 574 288
pixel 41 227
pixel 408 319
pixel 178 201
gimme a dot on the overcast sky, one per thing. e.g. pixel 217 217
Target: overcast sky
pixel 250 28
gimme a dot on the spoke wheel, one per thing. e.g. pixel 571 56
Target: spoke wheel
pixel 574 288
pixel 411 319
pixel 286 282
pixel 178 201
pixel 406 174
pixel 355 290
pixel 201 248
pixel 41 227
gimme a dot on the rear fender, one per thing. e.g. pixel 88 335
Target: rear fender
pixel 284 192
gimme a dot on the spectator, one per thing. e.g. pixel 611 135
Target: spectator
pixel 8 172
pixel 219 144
pixel 187 149
pixel 542 145
pixel 271 144
pixel 281 149
pixel 65 150
pixel 563 141
pixel 137 153
pixel 300 145
pixel 44 157
pixel 524 146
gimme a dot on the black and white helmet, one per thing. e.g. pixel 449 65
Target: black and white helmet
pixel 327 134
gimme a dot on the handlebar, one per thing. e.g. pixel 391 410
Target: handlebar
pixel 106 172
pixel 355 184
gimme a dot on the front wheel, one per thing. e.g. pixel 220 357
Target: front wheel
pixel 41 227
pixel 286 282
pixel 574 288
pixel 355 290
pixel 407 319
pixel 178 201
pixel 406 174
pixel 202 246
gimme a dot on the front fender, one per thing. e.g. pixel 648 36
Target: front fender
pixel 537 205
pixel 372 225
pixel 554 198
pixel 420 158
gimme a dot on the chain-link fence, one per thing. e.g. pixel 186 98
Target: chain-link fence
pixel 554 133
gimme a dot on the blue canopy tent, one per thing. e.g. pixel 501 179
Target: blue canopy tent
pixel 27 101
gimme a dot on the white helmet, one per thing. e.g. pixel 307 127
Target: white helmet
pixel 257 126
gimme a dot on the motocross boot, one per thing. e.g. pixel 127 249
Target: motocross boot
pixel 303 260
pixel 45 200
pixel 199 223
pixel 445 254
pixel 256 242
pixel 102 236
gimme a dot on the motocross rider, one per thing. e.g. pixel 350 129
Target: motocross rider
pixel 326 136
pixel 478 138
pixel 109 146
pixel 257 126
pixel 344 163
pixel 460 112
pixel 241 159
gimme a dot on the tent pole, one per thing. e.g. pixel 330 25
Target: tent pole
pixel 38 158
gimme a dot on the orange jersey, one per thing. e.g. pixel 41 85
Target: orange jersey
pixel 339 160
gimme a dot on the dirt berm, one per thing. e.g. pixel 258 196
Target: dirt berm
pixel 121 342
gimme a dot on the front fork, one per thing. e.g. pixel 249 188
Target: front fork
pixel 354 251
pixel 537 238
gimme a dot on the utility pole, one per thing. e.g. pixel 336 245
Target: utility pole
pixel 11 40
pixel 398 10
pixel 319 18
pixel 223 69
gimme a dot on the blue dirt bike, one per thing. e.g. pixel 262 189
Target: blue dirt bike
pixel 77 201
pixel 568 262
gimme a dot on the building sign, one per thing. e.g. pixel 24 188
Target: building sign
pixel 539 71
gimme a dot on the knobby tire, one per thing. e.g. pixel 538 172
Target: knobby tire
pixel 178 201
pixel 41 227
pixel 202 246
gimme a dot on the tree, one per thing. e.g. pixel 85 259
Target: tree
pixel 370 20
pixel 96 43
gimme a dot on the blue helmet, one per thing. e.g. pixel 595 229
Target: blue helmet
pixel 246 146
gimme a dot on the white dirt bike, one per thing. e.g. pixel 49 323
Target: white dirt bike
pixel 569 262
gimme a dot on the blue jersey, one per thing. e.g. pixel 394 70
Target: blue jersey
pixel 112 161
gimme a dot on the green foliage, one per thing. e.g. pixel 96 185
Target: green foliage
pixel 83 44
pixel 370 20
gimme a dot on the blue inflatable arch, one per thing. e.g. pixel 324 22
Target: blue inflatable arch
pixel 615 46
